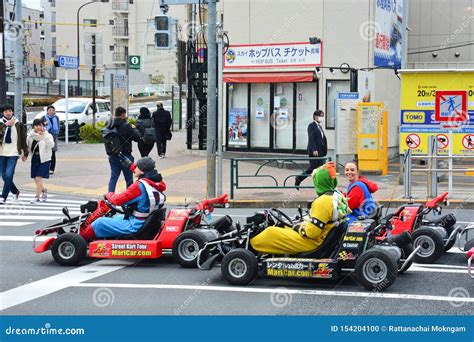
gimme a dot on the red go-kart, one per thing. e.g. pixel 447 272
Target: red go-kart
pixel 433 236
pixel 155 238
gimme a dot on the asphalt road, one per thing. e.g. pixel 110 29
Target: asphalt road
pixel 34 284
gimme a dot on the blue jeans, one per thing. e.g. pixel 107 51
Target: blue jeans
pixel 7 170
pixel 116 167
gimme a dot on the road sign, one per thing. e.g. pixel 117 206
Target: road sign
pixel 443 141
pixel 413 141
pixel 67 62
pixel 451 105
pixel 134 62
pixel 468 141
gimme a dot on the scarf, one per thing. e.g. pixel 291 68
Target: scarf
pixel 52 125
pixel 8 131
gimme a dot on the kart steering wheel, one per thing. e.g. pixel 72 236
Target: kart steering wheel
pixel 280 217
pixel 113 207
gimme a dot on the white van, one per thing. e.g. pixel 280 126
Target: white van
pixel 80 109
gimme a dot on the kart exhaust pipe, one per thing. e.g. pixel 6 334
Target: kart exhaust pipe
pixel 408 260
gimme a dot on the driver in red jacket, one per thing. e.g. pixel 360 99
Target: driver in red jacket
pixel 144 196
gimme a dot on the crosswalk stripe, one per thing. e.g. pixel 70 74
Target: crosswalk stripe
pixel 21 211
pixel 13 224
pixel 40 205
pixel 29 217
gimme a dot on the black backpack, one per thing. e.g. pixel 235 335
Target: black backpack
pixel 148 132
pixel 111 139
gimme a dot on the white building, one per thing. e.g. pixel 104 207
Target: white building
pixel 121 27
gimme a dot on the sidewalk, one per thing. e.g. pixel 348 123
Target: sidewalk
pixel 83 170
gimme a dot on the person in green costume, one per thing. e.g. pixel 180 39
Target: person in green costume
pixel 327 211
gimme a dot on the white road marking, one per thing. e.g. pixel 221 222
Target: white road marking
pixel 13 224
pixel 416 268
pixel 42 204
pixel 28 238
pixel 58 282
pixel 368 294
pixel 29 217
pixel 21 211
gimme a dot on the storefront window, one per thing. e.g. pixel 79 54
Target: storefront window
pixel 237 117
pixel 306 104
pixel 260 115
pixel 282 123
pixel 332 87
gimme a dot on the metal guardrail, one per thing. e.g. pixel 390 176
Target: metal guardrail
pixel 236 176
pixel 432 170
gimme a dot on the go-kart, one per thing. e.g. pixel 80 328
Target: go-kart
pixel 152 241
pixel 433 236
pixel 374 264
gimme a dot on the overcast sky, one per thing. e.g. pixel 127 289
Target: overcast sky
pixel 32 3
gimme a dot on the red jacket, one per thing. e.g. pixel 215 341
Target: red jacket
pixel 133 191
pixel 356 195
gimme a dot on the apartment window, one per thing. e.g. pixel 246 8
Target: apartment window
pixel 90 22
pixel 53 20
pixel 53 3
pixel 36 25
pixel 131 2
pixel 111 48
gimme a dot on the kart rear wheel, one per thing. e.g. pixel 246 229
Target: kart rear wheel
pixel 432 245
pixel 186 247
pixel 69 249
pixel 239 267
pixel 376 269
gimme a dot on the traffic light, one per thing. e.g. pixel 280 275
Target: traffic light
pixel 163 32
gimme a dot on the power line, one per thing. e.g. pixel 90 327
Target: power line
pixel 441 49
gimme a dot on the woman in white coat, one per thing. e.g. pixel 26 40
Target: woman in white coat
pixel 40 144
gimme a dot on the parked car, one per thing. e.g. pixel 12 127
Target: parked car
pixel 80 109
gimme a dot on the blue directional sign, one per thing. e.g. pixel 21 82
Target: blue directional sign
pixel 67 62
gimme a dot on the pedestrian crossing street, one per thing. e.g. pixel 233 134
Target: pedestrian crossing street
pixel 23 212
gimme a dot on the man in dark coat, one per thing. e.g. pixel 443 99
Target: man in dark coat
pixel 126 134
pixel 162 120
pixel 317 145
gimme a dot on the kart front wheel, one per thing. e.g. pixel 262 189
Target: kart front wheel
pixel 376 269
pixel 432 245
pixel 69 249
pixel 239 267
pixel 186 247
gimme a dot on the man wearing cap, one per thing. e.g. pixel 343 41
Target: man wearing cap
pixel 140 200
pixel 317 145
pixel 162 120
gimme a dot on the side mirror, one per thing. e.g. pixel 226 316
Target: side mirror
pixel 66 213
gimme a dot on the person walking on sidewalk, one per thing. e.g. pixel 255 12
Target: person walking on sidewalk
pixel 317 145
pixel 12 146
pixel 126 134
pixel 51 121
pixel 40 143
pixel 147 130
pixel 162 121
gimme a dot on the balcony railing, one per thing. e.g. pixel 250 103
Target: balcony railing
pixel 120 5
pixel 121 31
pixel 119 57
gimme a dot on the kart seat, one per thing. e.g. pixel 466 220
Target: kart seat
pixel 152 226
pixel 328 246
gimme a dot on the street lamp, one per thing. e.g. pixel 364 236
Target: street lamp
pixel 77 26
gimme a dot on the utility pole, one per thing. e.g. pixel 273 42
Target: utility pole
pixel 211 99
pixel 220 115
pixel 3 79
pixel 18 63
pixel 93 79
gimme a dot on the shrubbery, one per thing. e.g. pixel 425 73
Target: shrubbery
pixel 91 135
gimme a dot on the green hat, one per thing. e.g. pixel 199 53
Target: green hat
pixel 324 178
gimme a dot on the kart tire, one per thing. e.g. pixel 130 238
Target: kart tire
pixel 376 269
pixel 69 249
pixel 186 247
pixel 432 245
pixel 406 251
pixel 469 245
pixel 239 267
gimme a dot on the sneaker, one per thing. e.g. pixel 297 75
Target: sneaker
pixel 16 197
pixel 44 195
pixel 2 200
pixel 35 200
pixel 160 156
pixel 51 172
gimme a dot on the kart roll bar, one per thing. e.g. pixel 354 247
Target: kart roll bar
pixel 441 198
pixel 207 203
